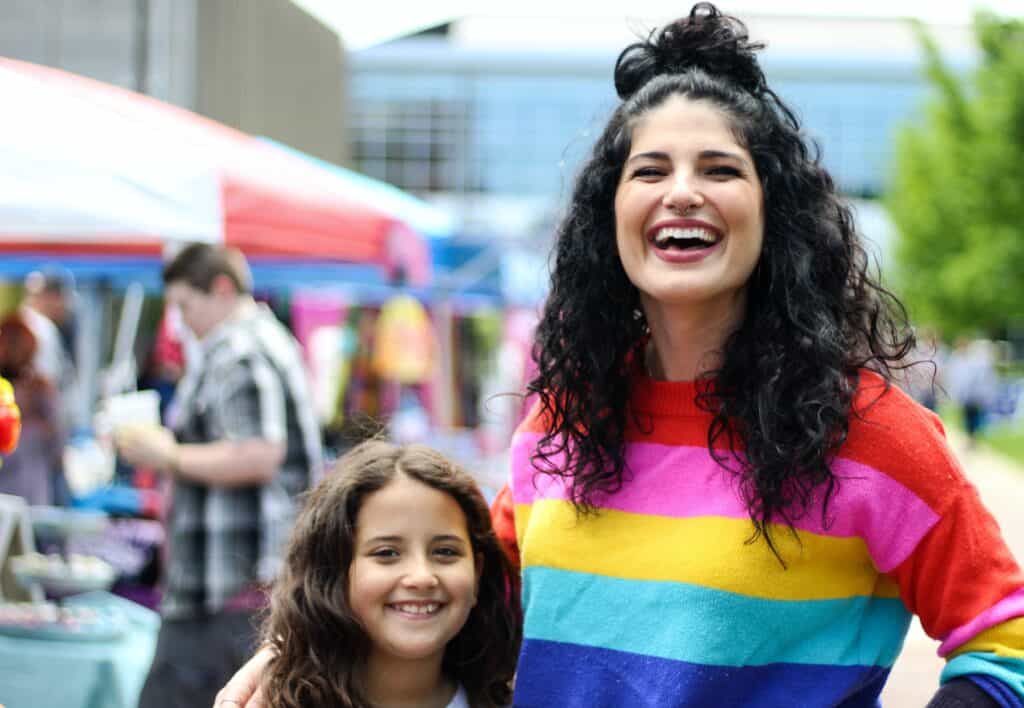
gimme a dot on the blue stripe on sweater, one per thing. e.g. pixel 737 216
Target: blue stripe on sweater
pixel 571 676
pixel 705 626
pixel 1007 671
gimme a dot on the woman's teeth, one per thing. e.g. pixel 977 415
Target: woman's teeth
pixel 684 238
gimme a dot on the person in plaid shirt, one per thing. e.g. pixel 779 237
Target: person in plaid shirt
pixel 243 444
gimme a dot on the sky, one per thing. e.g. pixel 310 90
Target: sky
pixel 363 24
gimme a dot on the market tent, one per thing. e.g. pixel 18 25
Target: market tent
pixel 92 170
pixel 427 219
pixel 462 263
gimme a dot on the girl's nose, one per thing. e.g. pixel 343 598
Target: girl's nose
pixel 420 574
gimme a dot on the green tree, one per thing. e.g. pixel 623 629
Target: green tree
pixel 957 196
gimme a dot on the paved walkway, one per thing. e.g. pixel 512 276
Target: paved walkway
pixel 1001 485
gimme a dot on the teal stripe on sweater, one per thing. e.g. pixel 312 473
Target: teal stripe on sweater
pixel 706 626
pixel 1007 669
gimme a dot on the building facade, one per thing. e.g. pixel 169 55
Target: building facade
pixel 496 124
pixel 262 66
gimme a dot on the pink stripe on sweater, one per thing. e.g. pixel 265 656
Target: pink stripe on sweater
pixel 682 481
pixel 1008 608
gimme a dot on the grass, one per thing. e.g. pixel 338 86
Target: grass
pixel 1005 438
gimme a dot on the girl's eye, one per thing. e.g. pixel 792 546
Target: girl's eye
pixel 446 552
pixel 385 553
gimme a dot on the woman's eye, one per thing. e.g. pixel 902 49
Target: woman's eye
pixel 385 553
pixel 448 552
pixel 724 171
pixel 648 172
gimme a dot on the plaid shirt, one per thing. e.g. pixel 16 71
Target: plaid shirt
pixel 251 383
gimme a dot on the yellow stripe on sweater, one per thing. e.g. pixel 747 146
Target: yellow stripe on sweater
pixel 709 551
pixel 1005 639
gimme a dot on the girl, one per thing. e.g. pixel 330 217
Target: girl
pixel 395 591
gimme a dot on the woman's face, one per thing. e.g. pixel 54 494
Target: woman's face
pixel 689 219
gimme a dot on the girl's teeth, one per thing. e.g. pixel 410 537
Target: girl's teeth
pixel 418 609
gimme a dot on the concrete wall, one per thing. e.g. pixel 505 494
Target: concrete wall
pixel 268 68
pixel 98 38
pixel 263 66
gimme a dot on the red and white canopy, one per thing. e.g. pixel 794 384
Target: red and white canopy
pixel 89 168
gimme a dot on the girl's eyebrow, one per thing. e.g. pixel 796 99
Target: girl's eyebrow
pixel 384 539
pixel 449 537
pixel 401 539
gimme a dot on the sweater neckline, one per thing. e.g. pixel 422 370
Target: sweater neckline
pixel 677 398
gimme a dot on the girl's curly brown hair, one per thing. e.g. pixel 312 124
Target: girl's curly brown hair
pixel 320 648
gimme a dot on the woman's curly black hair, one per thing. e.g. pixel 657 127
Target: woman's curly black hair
pixel 319 646
pixel 815 314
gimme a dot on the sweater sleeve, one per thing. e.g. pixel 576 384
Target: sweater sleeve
pixel 944 550
pixel 968 592
pixel 503 519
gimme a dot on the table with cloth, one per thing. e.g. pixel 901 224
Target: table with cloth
pixel 77 673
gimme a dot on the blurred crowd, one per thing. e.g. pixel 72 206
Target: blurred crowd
pixel 36 356
pixel 963 381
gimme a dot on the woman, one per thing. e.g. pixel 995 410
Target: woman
pixel 31 470
pixel 720 500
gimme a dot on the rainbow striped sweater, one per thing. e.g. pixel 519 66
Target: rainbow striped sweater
pixel 661 600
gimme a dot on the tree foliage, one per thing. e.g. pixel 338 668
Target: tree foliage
pixel 957 196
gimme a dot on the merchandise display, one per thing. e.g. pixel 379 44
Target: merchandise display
pixel 10 418
pixel 59 577
pixel 49 620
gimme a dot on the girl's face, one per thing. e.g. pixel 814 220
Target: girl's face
pixel 413 578
pixel 689 222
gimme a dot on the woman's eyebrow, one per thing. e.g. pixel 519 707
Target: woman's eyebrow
pixel 703 155
pixel 717 154
pixel 654 155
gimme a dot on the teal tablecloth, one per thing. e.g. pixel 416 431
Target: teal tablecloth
pixel 48 673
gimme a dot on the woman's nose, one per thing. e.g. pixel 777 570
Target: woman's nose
pixel 682 194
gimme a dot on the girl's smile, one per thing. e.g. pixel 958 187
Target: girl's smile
pixel 416 610
pixel 413 578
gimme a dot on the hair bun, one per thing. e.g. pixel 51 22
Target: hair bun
pixel 705 39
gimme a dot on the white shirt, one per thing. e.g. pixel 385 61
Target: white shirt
pixel 459 700
pixel 50 360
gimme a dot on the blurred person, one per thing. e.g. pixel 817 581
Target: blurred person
pixel 32 469
pixel 46 309
pixel 972 382
pixel 721 497
pixel 922 376
pixel 245 444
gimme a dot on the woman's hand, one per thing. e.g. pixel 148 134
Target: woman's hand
pixel 243 690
